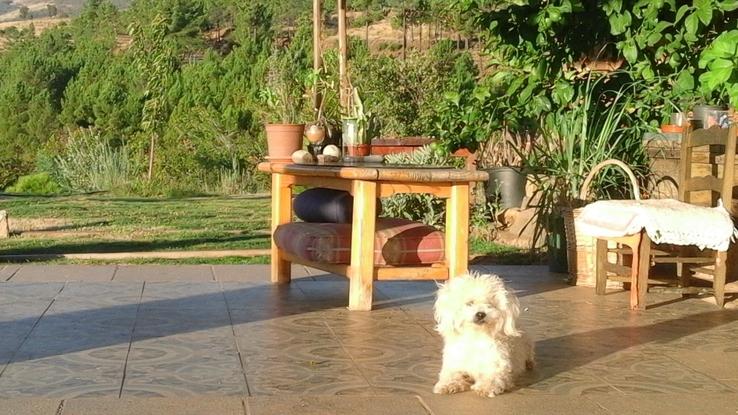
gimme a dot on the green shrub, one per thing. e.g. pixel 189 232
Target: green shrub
pixel 35 184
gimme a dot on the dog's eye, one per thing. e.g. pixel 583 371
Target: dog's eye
pixel 469 303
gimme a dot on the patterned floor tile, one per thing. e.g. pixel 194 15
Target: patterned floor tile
pixel 240 336
pixel 91 372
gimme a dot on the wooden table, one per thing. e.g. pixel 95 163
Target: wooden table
pixel 366 184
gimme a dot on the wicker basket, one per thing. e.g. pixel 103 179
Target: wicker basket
pixel 580 247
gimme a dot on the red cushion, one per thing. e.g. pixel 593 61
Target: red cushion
pixel 396 242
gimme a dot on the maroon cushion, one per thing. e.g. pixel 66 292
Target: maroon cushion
pixel 396 242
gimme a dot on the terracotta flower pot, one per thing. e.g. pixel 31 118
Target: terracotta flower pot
pixel 382 146
pixel 283 140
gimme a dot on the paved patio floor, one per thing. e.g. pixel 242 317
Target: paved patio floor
pixel 222 340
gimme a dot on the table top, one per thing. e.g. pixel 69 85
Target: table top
pixel 377 172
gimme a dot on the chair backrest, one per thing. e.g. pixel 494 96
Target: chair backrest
pixel 720 185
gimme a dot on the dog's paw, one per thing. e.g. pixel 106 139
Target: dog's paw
pixel 488 390
pixel 449 388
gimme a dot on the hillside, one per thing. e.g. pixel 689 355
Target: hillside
pixel 10 10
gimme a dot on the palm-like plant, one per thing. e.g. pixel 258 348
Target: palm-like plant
pixel 595 127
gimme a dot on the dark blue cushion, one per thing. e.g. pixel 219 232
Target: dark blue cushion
pixel 325 206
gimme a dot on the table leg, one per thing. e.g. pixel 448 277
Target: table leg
pixel 361 271
pixel 281 214
pixel 641 247
pixel 718 283
pixel 457 230
pixel 601 267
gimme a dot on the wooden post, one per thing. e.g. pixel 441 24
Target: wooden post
pixel 343 54
pixel 281 214
pixel 404 32
pixel 361 270
pixel 317 50
pixel 457 230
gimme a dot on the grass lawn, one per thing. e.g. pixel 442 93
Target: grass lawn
pixel 100 224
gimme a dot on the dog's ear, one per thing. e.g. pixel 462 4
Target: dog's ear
pixel 509 307
pixel 445 312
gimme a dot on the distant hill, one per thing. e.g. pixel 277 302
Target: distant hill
pixel 10 10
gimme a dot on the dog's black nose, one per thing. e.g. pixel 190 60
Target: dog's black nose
pixel 479 317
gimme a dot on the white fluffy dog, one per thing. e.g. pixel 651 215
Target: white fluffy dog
pixel 483 349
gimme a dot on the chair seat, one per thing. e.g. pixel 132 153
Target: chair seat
pixel 397 242
pixel 666 221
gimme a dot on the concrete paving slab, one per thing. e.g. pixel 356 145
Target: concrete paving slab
pixel 29 406
pixel 153 273
pixel 7 271
pixel 256 274
pixel 716 364
pixel 53 273
pixel 334 405
pixel 156 406
pixel 669 404
pixel 468 403
pixel 12 293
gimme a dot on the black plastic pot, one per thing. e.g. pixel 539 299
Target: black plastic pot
pixel 556 244
pixel 507 185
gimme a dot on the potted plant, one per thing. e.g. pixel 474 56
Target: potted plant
pixel 594 127
pixel 359 127
pixel 502 157
pixel 283 99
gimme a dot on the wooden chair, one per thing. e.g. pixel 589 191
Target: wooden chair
pixel 720 183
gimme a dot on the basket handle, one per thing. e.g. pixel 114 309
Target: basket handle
pixel 588 181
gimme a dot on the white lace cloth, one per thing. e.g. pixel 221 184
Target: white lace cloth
pixel 666 221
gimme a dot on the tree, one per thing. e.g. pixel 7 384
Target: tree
pixel 154 59
pixel 51 10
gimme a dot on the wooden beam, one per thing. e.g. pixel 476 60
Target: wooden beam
pixel 343 55
pixel 317 50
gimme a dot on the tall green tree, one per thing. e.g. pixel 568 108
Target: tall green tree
pixel 153 57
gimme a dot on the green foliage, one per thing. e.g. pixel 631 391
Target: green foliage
pixel 720 60
pixel 35 184
pixel 404 95
pixel 463 118
pixel 540 51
